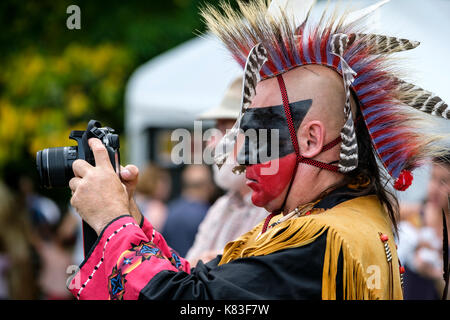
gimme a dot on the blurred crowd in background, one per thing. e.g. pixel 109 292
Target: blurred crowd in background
pixel 53 81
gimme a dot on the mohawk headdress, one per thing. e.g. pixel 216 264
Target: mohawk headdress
pixel 285 38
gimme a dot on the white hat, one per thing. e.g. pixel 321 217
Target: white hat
pixel 229 106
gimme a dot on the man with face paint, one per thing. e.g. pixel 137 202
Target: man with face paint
pixel 232 214
pixel 327 93
pixel 312 89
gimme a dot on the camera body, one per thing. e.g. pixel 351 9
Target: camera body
pixel 55 164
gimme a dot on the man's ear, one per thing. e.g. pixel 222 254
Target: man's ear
pixel 311 138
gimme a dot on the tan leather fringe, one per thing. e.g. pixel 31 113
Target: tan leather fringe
pixel 299 232
pixel 353 278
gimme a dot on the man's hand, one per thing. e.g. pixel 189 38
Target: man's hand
pixel 129 176
pixel 97 192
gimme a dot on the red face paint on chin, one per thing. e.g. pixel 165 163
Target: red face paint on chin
pixel 268 187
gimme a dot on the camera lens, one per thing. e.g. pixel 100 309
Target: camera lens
pixel 55 166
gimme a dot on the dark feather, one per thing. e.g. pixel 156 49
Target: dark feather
pixel 348 158
pixel 380 44
pixel 422 100
pixel 256 58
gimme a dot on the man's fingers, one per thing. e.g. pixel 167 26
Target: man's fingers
pixel 74 183
pixel 129 173
pixel 100 154
pixel 80 168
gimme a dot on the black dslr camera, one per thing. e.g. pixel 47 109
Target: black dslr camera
pixel 55 164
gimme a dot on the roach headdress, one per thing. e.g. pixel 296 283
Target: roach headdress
pixel 269 40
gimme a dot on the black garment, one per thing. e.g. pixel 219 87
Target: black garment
pixel 294 273
pixel 286 274
pixel 417 287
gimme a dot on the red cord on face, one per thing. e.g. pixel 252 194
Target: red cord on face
pixel 293 133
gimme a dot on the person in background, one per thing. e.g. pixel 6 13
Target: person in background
pixel 17 272
pixel 187 212
pixel 232 214
pixel 44 211
pixel 152 192
pixel 54 255
pixel 70 230
pixel 421 236
pixel 55 259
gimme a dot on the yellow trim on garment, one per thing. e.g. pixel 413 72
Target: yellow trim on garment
pixel 352 228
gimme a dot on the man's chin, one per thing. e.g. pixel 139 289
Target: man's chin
pixel 261 199
pixel 257 200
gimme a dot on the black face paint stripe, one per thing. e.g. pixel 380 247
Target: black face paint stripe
pixel 257 147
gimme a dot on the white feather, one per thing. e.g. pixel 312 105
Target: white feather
pixel 298 9
pixel 359 14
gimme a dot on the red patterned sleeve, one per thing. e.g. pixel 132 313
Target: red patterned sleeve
pixel 123 260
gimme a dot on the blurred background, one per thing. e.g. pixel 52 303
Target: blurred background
pixel 141 68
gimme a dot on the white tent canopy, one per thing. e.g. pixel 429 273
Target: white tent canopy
pixel 172 89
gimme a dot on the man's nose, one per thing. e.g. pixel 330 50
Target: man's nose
pixel 248 154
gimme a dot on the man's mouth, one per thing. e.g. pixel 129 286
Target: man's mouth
pixel 250 178
pixel 253 184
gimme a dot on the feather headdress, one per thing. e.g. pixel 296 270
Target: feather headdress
pixel 388 104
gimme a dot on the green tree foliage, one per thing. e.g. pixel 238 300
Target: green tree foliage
pixel 53 80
